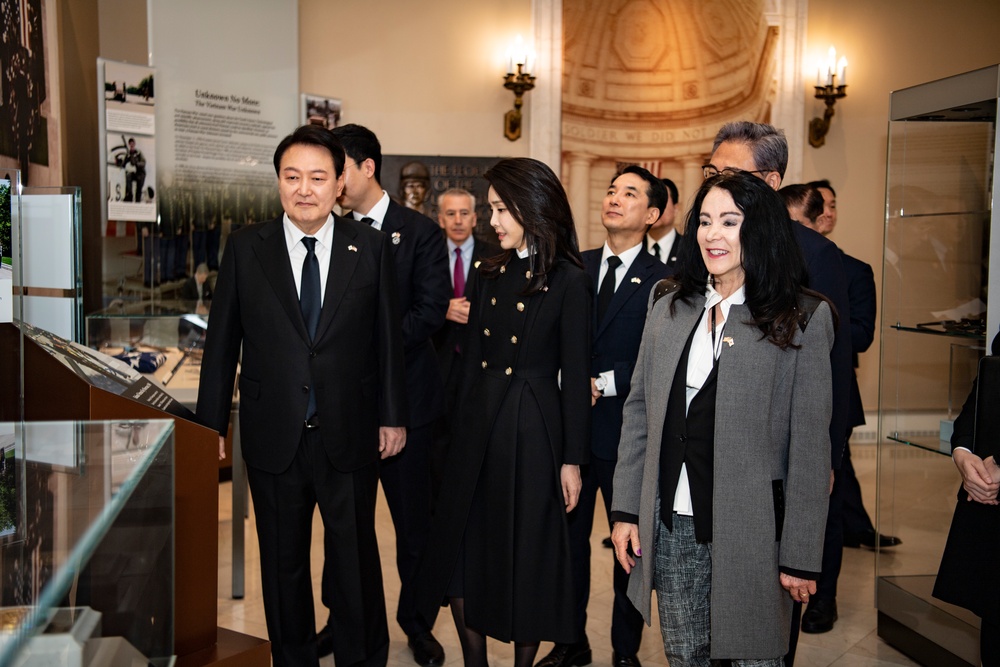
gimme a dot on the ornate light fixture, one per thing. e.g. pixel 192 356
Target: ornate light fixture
pixel 831 85
pixel 520 61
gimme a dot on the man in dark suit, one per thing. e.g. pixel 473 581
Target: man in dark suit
pixel 849 522
pixel 663 240
pixel 457 217
pixel 424 288
pixel 761 149
pixel 623 274
pixel 294 294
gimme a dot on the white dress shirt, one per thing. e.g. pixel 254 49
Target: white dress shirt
pixel 666 243
pixel 297 252
pixel 377 213
pixel 627 258
pixel 701 359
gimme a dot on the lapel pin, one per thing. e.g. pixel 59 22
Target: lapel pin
pixel 352 248
pixel 477 263
pixel 728 340
pixel 395 238
pixel 636 280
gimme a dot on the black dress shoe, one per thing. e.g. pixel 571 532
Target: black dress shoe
pixel 427 651
pixel 867 539
pixel 324 641
pixel 608 544
pixel 567 655
pixel 819 617
pixel 624 660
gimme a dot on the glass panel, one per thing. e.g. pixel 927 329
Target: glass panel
pixel 90 561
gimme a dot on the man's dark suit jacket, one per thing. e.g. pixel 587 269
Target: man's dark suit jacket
pixel 449 337
pixel 355 363
pixel 616 341
pixel 861 294
pixel 189 290
pixel 826 275
pixel 424 286
pixel 672 255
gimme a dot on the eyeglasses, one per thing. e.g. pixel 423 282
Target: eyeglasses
pixel 710 170
pixel 355 164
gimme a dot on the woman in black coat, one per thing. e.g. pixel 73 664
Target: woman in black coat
pixel 498 549
pixel 969 575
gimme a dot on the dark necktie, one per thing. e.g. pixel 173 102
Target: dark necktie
pixel 458 278
pixel 310 302
pixel 656 251
pixel 368 221
pixel 607 287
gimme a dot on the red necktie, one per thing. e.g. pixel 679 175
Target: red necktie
pixel 458 279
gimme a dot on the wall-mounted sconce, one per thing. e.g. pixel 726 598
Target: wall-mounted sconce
pixel 831 85
pixel 520 62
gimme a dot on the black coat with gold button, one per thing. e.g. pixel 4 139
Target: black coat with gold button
pixel 501 509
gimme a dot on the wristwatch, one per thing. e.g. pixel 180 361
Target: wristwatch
pixel 601 383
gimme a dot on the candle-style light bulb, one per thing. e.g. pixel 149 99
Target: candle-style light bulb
pixel 842 71
pixel 831 63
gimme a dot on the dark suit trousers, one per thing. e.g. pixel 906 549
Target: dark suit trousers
pixel 284 504
pixel 406 481
pixel 833 554
pixel 626 621
pixel 853 514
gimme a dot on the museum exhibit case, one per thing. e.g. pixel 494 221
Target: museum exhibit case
pixel 49 243
pixel 941 258
pixel 87 543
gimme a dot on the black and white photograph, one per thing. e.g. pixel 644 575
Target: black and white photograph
pixel 322 111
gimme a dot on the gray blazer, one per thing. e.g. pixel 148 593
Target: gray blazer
pixel 771 425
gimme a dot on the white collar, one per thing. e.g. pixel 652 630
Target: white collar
pixel 293 234
pixel 378 210
pixel 627 257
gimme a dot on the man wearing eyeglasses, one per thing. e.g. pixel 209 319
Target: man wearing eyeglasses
pixel 762 150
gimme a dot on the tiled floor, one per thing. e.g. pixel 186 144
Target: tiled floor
pixel 853 642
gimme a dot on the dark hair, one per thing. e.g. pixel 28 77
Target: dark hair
pixel 537 201
pixel 361 144
pixel 655 192
pixel 671 188
pixel 767 143
pixel 806 196
pixel 311 135
pixel 772 262
pixel 823 183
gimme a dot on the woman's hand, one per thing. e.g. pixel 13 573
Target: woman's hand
pixel 621 535
pixel 799 589
pixel 979 477
pixel 571 485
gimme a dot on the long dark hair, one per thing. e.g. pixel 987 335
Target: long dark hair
pixel 537 201
pixel 772 261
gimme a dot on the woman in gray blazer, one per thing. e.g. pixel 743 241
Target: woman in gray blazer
pixel 722 481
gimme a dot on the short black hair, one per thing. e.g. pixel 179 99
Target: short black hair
pixel 655 192
pixel 312 135
pixel 671 188
pixel 823 183
pixel 361 144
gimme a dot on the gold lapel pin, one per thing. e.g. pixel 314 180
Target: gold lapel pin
pixel 728 340
pixel 477 263
pixel 352 248
pixel 636 280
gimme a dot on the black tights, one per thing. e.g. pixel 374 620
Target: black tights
pixel 474 642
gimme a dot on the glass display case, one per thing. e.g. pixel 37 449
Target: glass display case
pixel 171 329
pixel 87 543
pixel 940 260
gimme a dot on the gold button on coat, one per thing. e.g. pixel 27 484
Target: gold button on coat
pixel 484 364
pixel 486 332
pixel 493 301
pixel 520 307
pixel 509 370
pixel 513 339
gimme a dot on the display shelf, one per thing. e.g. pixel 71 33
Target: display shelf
pixel 927 329
pixel 929 443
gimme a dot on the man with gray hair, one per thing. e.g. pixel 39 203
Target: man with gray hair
pixel 457 217
pixel 762 150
